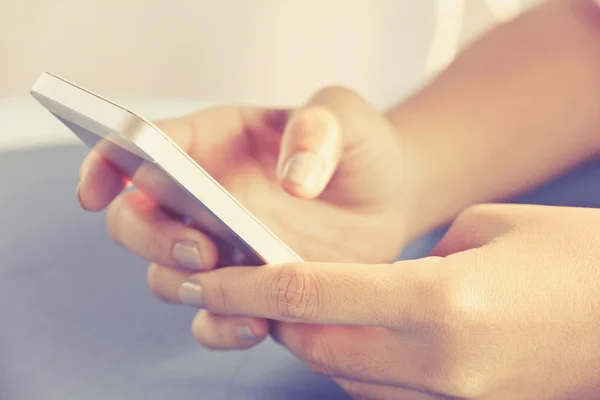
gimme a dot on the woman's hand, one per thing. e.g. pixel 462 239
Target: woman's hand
pixel 330 179
pixel 508 307
pixel 336 149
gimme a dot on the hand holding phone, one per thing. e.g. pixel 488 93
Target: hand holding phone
pixel 161 169
pixel 353 215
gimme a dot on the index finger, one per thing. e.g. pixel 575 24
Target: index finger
pixel 100 181
pixel 393 296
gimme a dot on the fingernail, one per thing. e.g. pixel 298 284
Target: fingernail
pixel 304 168
pixel 190 293
pixel 245 333
pixel 186 253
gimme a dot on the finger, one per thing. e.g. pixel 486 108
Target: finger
pixel 215 137
pixel 213 331
pixel 135 222
pixel 323 293
pixel 311 147
pixel 333 124
pixel 228 333
pixel 369 391
pixel 215 129
pixel 164 281
pixel 99 183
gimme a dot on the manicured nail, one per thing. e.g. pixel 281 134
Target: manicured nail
pixel 190 293
pixel 304 168
pixel 245 333
pixel 186 253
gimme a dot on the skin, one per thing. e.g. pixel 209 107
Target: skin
pixel 494 312
pixel 517 107
pixel 506 307
pixel 357 142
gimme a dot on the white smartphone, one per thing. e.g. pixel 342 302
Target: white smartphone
pixel 162 170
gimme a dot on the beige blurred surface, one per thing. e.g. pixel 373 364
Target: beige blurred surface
pixel 166 57
pixel 265 51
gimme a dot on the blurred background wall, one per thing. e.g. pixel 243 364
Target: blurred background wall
pixel 168 57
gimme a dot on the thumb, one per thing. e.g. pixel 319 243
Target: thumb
pixel 320 293
pixel 315 137
pixel 311 148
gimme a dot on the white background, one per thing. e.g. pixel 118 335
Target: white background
pixel 169 57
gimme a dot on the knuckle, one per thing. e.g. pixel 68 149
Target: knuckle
pixel 153 247
pixel 457 303
pixel 454 305
pixel 292 293
pixel 428 295
pixel 464 309
pixel 221 298
pixel 340 98
pixel 336 91
pixel 313 122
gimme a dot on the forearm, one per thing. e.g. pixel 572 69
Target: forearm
pixel 519 106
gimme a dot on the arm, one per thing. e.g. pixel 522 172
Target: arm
pixel 517 107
